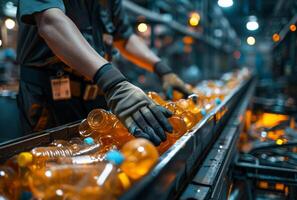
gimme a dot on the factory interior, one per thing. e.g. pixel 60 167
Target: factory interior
pixel 147 99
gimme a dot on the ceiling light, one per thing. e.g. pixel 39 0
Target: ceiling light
pixel 194 19
pixel 142 27
pixel 225 3
pixel 251 41
pixel 252 24
pixel 9 23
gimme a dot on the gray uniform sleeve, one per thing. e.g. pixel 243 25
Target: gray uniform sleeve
pixel 27 8
pixel 123 30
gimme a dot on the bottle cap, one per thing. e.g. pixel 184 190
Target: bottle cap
pixel 89 141
pixel 24 159
pixel 218 101
pixel 115 157
pixel 203 112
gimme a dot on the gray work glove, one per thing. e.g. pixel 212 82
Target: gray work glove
pixel 134 109
pixel 170 81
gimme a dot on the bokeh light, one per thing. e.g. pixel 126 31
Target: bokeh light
pixel 225 3
pixel 142 27
pixel 9 23
pixel 293 27
pixel 194 19
pixel 276 37
pixel 251 41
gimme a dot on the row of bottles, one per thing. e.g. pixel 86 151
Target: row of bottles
pixel 106 160
pixel 111 134
pixel 99 179
pixel 83 176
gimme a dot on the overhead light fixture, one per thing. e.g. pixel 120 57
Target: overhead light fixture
pixel 251 41
pixel 194 19
pixel 252 24
pixel 9 23
pixel 225 3
pixel 142 27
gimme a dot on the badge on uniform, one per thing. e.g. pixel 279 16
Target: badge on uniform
pixel 61 88
pixel 91 92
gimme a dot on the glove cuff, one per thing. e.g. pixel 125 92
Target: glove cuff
pixel 107 77
pixel 161 69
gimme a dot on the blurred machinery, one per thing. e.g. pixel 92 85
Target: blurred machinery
pixel 266 166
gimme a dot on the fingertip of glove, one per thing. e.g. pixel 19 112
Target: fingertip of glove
pixel 169 128
pixel 140 134
pixel 162 134
pixel 153 136
pixel 132 130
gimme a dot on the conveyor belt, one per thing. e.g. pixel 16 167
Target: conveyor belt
pixel 176 166
pixel 212 178
pixel 175 169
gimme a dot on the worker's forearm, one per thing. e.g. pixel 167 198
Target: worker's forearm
pixel 137 52
pixel 67 43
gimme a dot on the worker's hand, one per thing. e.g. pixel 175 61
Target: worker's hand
pixel 134 109
pixel 173 82
pixel 170 81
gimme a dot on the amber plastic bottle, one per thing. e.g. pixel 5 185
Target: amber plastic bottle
pixel 82 160
pixel 98 181
pixel 61 143
pixel 179 129
pixel 189 118
pixel 190 106
pixel 120 132
pixel 101 180
pixel 156 98
pixel 100 120
pixel 140 156
pixel 9 183
pixel 40 155
pixel 106 129
pixel 97 123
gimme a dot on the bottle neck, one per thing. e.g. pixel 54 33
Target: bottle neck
pixel 99 120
